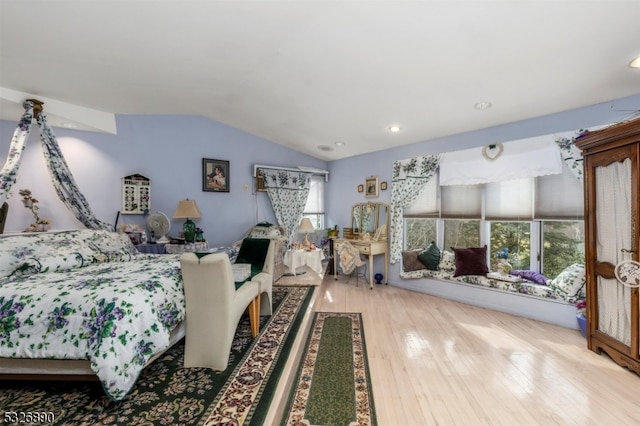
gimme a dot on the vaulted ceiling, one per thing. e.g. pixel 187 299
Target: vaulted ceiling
pixel 307 74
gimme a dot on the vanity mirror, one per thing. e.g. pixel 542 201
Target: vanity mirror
pixel 369 235
pixel 370 218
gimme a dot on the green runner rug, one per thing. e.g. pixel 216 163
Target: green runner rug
pixel 167 394
pixel 333 386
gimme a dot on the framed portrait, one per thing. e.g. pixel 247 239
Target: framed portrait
pixel 215 175
pixel 371 187
pixel 383 185
pixel 361 188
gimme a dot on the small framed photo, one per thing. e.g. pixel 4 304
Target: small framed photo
pixel 383 185
pixel 361 188
pixel 215 175
pixel 371 186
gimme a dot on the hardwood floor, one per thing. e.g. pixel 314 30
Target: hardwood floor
pixel 438 362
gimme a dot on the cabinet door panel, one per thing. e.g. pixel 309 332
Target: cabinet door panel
pixel 613 218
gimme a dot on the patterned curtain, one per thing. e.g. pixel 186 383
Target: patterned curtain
pixel 288 191
pixel 61 176
pixel 571 155
pixel 18 143
pixel 409 179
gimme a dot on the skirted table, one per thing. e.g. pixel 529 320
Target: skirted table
pixel 294 259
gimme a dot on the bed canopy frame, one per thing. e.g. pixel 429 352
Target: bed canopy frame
pixel 61 176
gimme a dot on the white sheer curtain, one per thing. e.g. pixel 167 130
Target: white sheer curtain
pixel 613 189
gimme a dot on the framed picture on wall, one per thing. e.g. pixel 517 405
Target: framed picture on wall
pixel 371 186
pixel 215 175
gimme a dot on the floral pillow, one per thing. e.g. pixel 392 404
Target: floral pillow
pixel 569 282
pixel 532 276
pixel 265 232
pixel 448 261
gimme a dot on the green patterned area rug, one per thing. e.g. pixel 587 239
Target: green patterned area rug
pixel 167 394
pixel 333 386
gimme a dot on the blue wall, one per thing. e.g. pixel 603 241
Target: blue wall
pixel 346 174
pixel 169 150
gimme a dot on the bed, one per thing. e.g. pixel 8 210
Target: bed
pixel 89 298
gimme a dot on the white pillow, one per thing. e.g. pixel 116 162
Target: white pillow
pixel 569 282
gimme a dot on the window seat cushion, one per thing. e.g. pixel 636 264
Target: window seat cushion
pixel 524 287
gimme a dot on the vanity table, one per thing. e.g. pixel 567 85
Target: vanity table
pixel 369 223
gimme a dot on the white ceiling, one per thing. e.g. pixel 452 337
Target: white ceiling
pixel 310 73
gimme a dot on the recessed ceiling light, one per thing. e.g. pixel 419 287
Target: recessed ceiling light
pixel 482 105
pixel 635 63
pixel 325 148
pixel 339 143
pixel 69 125
pixel 394 129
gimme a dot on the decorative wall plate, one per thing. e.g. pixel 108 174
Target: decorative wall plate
pixel 628 273
pixel 492 151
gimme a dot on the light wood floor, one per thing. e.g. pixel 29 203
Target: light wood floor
pixel 438 362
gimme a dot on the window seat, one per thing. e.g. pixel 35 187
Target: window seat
pixel 524 286
pixel 525 298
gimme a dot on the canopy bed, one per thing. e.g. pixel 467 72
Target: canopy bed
pixel 83 303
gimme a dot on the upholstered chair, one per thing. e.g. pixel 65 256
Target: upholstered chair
pixel 214 307
pixel 260 253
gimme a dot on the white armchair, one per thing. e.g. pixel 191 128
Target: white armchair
pixel 214 307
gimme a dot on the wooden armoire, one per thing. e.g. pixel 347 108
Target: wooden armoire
pixel 611 184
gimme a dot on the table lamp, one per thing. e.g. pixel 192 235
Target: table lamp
pixel 306 228
pixel 188 209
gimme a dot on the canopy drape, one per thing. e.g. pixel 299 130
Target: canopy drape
pixel 61 176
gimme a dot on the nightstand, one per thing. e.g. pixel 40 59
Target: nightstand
pixel 186 248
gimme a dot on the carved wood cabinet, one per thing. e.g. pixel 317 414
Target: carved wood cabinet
pixel 611 158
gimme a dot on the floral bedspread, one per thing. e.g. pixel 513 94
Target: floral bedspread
pixel 115 314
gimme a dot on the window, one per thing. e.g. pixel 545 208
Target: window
pixel 419 232
pixel 314 209
pixel 461 233
pixel 562 245
pixel 537 221
pixel 513 240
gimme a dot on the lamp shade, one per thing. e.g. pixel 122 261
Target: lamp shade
pixel 187 209
pixel 306 227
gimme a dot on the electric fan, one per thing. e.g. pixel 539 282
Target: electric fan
pixel 159 225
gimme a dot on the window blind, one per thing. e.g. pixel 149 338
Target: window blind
pixel 315 200
pixel 559 196
pixel 509 200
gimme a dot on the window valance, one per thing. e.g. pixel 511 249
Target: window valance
pixel 518 159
